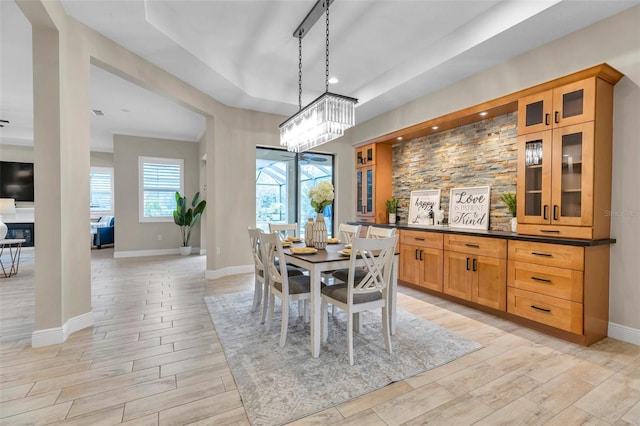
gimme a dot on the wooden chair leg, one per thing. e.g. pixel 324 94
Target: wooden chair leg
pixel 265 303
pixel 385 329
pixel 350 336
pixel 285 323
pixel 324 323
pixel 257 295
pixel 272 298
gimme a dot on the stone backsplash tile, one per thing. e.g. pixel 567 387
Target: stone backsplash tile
pixel 479 154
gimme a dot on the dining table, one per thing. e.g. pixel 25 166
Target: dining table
pixel 329 259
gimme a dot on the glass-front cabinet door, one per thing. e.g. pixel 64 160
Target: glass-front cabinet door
pixel 365 191
pixel 564 106
pixel 535 112
pixel 574 103
pixel 534 177
pixel 572 175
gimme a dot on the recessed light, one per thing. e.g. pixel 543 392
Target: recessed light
pixel 125 110
pixel 333 80
pixel 399 138
pixel 484 113
pixel 435 128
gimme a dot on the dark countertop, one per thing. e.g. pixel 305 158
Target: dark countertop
pixel 446 229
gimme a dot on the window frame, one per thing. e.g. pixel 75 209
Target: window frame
pixel 96 213
pixel 142 160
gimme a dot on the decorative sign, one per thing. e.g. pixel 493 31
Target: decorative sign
pixel 469 207
pixel 422 202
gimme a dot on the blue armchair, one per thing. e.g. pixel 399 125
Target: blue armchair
pixel 104 231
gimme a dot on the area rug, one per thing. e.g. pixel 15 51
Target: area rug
pixel 280 385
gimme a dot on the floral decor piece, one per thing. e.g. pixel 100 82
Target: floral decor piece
pixel 321 196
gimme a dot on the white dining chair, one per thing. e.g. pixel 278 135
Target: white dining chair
pixel 368 293
pixel 285 229
pixel 260 284
pixel 286 288
pixel 372 232
pixel 377 232
pixel 346 232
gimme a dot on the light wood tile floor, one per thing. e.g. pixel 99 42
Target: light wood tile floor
pixel 153 358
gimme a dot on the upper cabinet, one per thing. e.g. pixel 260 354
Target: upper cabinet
pixel 373 182
pixel 366 155
pixel 563 106
pixel 564 160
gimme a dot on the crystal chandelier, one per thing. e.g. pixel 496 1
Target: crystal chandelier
pixel 327 117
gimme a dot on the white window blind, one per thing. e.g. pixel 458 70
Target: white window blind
pixel 160 178
pixel 101 191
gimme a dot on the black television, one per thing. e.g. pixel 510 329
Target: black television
pixel 16 180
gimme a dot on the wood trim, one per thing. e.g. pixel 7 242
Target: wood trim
pixel 596 293
pixel 495 107
pixel 603 141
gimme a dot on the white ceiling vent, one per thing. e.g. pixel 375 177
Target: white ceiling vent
pixel 98 112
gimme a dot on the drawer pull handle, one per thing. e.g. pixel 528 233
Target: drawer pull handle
pixel 421 255
pixel 418 239
pixel 417 254
pixel 542 280
pixel 535 253
pixel 472 245
pixel 467 263
pixel 540 309
pixel 475 264
pixel 552 231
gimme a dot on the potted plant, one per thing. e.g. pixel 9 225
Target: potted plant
pixel 392 208
pixel 187 217
pixel 509 199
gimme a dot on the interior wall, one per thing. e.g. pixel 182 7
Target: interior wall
pixel 237 133
pixel 130 233
pixel 616 41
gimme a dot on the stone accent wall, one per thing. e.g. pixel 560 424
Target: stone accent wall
pixel 479 154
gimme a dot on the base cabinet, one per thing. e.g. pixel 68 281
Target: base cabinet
pixel 560 286
pixel 474 277
pixel 421 259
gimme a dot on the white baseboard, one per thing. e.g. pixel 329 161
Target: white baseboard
pixel 624 333
pixel 157 252
pixel 53 336
pixel 232 270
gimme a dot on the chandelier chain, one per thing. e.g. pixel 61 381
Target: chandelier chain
pixel 299 72
pixel 326 72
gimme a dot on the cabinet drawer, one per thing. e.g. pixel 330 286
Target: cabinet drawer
pixel 422 239
pixel 581 232
pixel 491 247
pixel 545 254
pixel 552 311
pixel 546 280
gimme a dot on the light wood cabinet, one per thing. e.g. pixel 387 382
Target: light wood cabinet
pixel 564 160
pixel 421 259
pixel 562 106
pixel 373 182
pixel 469 275
pixel 564 287
pixel 365 155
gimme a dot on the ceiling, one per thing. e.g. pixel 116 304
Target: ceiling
pixel 243 53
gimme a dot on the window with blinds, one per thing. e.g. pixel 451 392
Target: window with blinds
pixel 160 178
pixel 101 191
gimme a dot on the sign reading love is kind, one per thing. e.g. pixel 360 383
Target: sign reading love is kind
pixel 469 207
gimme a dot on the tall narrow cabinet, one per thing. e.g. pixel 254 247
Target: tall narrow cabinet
pixel 373 182
pixel 564 158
